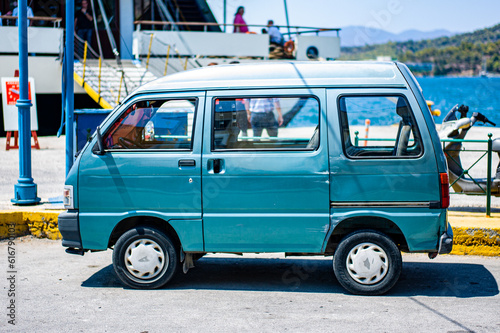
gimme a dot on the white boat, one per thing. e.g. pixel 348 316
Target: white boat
pixel 162 39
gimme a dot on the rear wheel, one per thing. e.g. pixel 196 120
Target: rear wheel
pixel 367 263
pixel 145 258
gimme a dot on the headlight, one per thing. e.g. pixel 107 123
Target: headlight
pixel 68 197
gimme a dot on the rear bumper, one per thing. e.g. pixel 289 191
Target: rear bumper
pixel 69 227
pixel 446 241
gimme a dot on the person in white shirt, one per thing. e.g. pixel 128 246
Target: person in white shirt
pixel 275 36
pixel 260 112
pixel 15 12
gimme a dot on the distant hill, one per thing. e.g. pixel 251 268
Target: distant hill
pixel 461 54
pixel 361 36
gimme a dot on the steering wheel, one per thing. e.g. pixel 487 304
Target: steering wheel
pixel 129 143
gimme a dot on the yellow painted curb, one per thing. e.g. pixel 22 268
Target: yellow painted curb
pixel 475 234
pixel 476 241
pixel 11 225
pixel 42 224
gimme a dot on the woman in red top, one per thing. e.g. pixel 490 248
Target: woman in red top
pixel 239 23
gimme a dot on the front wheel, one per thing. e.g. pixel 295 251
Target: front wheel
pixel 367 263
pixel 145 258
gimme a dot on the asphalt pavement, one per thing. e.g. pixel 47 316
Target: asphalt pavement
pixel 48 171
pixel 59 292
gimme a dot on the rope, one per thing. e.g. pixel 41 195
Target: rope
pixel 95 27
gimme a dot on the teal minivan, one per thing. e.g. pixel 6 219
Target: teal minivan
pixel 269 157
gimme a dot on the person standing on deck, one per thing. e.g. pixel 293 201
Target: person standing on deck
pixel 83 22
pixel 239 23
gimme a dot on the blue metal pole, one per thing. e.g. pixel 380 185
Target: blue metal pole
pixel 25 191
pixel 225 15
pixel 287 22
pixel 69 104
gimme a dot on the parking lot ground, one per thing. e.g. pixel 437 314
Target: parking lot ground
pixel 58 292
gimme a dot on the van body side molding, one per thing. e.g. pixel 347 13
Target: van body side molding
pixel 382 204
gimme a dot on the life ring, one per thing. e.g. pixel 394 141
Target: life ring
pixel 289 47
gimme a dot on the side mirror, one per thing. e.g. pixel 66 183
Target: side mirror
pixel 99 147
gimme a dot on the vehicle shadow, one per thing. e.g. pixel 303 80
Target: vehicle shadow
pixel 316 275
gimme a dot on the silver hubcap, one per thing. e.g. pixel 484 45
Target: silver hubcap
pixel 145 259
pixel 367 263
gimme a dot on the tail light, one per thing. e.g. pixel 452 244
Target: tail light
pixel 444 189
pixel 68 198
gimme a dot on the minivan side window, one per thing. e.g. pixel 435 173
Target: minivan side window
pixel 153 124
pixel 393 132
pixel 265 123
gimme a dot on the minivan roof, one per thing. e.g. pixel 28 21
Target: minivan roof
pixel 282 75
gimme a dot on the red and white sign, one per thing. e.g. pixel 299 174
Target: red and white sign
pixel 10 95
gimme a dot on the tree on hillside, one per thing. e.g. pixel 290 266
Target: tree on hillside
pixel 456 55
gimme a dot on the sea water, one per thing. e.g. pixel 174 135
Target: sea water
pixel 481 94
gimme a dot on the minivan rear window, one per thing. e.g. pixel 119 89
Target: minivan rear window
pixel 378 127
pixel 266 123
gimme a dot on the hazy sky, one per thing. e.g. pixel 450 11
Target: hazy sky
pixel 391 15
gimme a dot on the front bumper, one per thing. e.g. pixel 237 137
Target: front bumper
pixel 69 227
pixel 446 241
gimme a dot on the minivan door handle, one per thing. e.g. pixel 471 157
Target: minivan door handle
pixel 216 165
pixel 187 163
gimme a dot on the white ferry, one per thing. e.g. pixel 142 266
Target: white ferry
pixel 136 41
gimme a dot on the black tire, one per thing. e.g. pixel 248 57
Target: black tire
pixel 145 258
pixel 377 268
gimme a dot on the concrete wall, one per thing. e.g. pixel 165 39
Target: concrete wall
pixel 47 72
pixel 232 45
pixel 328 47
pixel 40 40
pixel 202 43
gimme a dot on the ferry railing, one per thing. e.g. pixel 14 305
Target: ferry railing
pixel 166 61
pixel 43 38
pixel 202 26
pixel 183 61
pixel 466 171
pixel 149 50
pixel 206 25
pixel 56 21
pixel 84 53
pixel 106 83
pixel 86 47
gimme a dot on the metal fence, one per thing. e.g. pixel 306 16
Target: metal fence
pixel 465 173
pixel 485 153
